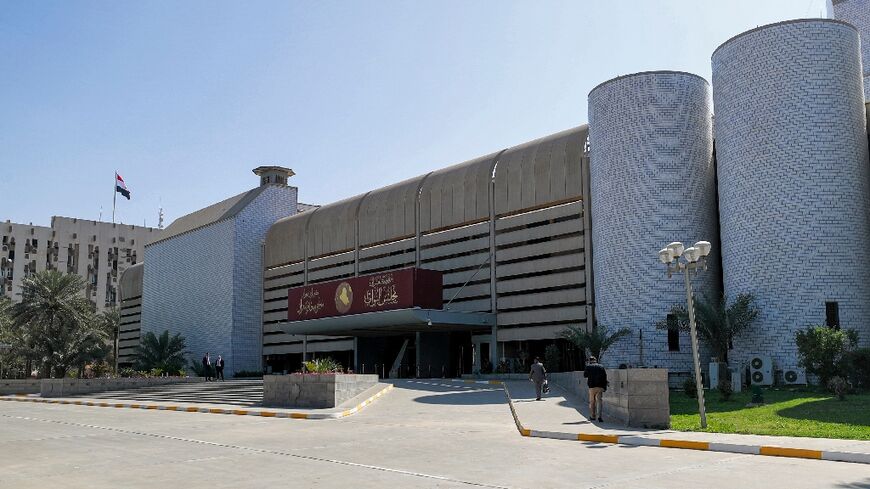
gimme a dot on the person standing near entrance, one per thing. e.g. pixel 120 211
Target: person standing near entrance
pixel 597 381
pixel 206 367
pixel 538 374
pixel 219 368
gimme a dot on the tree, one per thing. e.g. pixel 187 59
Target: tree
pixel 717 322
pixel 821 350
pixel 108 322
pixel 54 324
pixel 164 352
pixel 594 342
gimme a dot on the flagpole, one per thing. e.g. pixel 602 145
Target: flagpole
pixel 114 195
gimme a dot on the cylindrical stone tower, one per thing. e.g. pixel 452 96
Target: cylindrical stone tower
pixel 652 182
pixel 794 184
pixel 857 13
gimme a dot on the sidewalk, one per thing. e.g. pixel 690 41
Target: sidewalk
pixel 563 416
pixel 349 408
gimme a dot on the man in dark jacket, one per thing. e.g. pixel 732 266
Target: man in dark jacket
pixel 206 366
pixel 219 368
pixel 597 381
pixel 538 374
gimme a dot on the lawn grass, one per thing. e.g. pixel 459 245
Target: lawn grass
pixel 786 412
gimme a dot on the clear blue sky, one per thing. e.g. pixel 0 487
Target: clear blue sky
pixel 185 98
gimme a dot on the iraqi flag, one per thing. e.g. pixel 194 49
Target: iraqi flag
pixel 120 187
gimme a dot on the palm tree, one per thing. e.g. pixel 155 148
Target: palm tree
pixel 594 342
pixel 717 322
pixel 54 324
pixel 163 352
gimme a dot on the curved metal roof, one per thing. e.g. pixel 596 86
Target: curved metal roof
pixel 130 284
pixel 332 228
pixel 285 240
pixel 390 212
pixel 457 194
pixel 540 172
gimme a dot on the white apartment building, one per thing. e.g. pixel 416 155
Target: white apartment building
pixel 97 251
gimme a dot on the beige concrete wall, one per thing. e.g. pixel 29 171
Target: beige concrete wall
pixel 73 387
pixel 97 251
pixel 638 398
pixel 18 386
pixel 314 390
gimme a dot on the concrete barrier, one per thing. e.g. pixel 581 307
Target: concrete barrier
pixel 18 386
pixel 637 397
pixel 314 390
pixel 73 387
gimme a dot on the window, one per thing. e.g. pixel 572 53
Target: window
pixel 673 334
pixel 832 315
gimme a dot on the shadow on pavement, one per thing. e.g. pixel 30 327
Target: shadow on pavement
pixel 856 485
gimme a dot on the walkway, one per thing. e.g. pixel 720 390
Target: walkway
pixel 565 416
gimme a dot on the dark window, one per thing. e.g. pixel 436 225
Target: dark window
pixel 832 315
pixel 673 334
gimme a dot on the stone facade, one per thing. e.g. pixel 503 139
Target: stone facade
pixel 794 186
pixel 215 302
pixel 635 397
pixel 314 390
pixel 653 182
pixel 857 13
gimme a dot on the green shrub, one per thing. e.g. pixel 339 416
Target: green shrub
pixel 690 388
pixel 838 386
pixel 323 366
pixel 127 372
pixel 821 350
pixel 552 358
pixel 725 389
pixel 856 366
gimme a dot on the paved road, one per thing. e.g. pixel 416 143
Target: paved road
pixel 423 434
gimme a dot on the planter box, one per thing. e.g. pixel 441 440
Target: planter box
pixel 636 397
pixel 18 386
pixel 74 387
pixel 314 391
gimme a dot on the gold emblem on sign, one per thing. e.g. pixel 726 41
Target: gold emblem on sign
pixel 343 297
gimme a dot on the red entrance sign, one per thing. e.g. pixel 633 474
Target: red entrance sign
pixel 397 289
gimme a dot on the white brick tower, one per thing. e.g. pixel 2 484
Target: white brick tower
pixel 794 182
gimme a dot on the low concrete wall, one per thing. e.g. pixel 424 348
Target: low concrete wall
pixel 524 376
pixel 314 390
pixel 74 387
pixel 638 398
pixel 18 386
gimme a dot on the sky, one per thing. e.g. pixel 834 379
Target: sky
pixel 183 99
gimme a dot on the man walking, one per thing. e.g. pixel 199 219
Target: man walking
pixel 538 375
pixel 206 367
pixel 597 382
pixel 219 368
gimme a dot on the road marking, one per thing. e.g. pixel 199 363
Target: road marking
pixel 312 458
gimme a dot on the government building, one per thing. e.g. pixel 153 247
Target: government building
pixel 483 264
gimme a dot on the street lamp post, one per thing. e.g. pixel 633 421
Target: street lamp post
pixel 694 259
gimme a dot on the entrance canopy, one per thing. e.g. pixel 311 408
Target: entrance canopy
pixel 396 321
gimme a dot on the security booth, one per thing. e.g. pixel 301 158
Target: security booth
pixel 396 318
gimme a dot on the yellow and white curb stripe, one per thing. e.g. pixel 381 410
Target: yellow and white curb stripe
pixel 634 440
pixel 200 409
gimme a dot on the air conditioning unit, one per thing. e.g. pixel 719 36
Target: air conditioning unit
pixel 761 370
pixel 794 376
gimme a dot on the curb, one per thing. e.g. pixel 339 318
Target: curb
pixel 635 440
pixel 199 409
